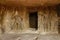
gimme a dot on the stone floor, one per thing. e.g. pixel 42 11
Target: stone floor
pixel 29 37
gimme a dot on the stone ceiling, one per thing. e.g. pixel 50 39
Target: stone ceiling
pixel 29 2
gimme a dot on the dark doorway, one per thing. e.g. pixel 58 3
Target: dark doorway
pixel 33 20
pixel 58 14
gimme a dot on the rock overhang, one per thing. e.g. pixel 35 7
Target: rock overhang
pixel 29 3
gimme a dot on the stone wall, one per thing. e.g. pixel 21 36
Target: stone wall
pixel 47 21
pixel 14 20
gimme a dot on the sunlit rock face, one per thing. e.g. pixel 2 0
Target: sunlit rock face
pixel 29 22
pixel 10 20
pixel 16 20
pixel 48 21
pixel 13 20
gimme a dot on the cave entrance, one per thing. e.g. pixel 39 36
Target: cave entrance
pixel 33 20
pixel 58 14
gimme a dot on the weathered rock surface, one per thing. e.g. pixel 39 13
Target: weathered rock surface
pixel 29 37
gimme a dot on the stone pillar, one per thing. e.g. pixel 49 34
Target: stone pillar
pixel 54 21
pixel 46 20
pixel 41 21
pixel 25 19
pixel 7 21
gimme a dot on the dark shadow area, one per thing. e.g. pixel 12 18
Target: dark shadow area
pixel 58 14
pixel 33 20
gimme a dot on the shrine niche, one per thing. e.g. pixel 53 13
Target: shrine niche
pixel 33 20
